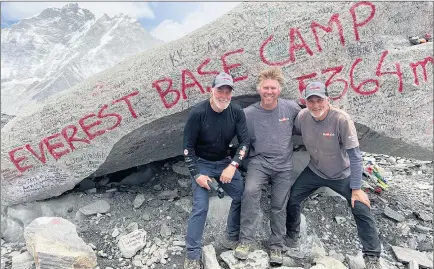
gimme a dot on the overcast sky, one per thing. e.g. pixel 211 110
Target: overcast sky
pixel 164 20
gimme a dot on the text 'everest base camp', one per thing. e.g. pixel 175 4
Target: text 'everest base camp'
pixel 92 174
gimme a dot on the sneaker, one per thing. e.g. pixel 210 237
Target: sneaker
pixel 242 251
pixel 192 264
pixel 276 257
pixel 372 262
pixel 292 240
pixel 229 244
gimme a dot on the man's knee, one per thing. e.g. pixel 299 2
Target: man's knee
pixel 252 187
pixel 199 210
pixel 292 207
pixel 295 199
pixel 200 205
pixel 360 209
pixel 279 201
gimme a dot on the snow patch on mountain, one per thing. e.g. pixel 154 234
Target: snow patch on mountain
pixel 60 47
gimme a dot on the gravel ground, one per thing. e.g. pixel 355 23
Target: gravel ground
pixel 409 194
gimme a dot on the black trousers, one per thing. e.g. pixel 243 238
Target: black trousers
pixel 307 183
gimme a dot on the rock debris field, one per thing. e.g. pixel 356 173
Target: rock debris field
pixel 130 223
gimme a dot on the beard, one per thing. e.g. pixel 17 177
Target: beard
pixel 316 114
pixel 220 105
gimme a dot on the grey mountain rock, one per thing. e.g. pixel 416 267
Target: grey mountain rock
pixel 60 47
pixel 138 114
pixel 69 251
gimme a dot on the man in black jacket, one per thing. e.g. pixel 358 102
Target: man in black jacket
pixel 210 128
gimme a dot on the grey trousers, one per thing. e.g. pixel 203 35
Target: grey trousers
pixel 281 183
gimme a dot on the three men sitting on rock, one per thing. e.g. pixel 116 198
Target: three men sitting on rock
pixel 264 132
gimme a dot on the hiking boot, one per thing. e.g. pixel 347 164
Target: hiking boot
pixel 292 240
pixel 242 251
pixel 276 257
pixel 229 244
pixel 372 262
pixel 192 264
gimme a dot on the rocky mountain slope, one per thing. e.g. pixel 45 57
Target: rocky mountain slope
pixel 56 49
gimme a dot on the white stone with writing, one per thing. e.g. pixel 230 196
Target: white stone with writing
pixel 130 243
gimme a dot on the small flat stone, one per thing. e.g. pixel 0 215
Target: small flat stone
pixel 330 262
pixel 289 262
pixel 175 249
pixel 391 160
pixel 209 258
pixel 340 220
pixel 255 259
pixel 179 243
pixel 338 256
pixel 133 226
pixel 406 255
pixel 155 203
pixel 146 217
pixel 169 195
pixel 426 246
pixel 22 261
pixel 423 229
pixel 356 262
pixel 138 201
pixel 90 191
pixel 393 214
pixel 423 216
pixel 157 187
pixel 100 206
pixel 165 230
pixel 112 190
pixel 184 183
pixel 317 253
pixel 115 232
pixel 181 168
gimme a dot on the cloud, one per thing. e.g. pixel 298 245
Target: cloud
pixel 206 12
pixel 22 10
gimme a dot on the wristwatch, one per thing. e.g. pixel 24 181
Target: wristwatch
pixel 234 163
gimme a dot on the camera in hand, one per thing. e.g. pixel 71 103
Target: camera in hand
pixel 214 185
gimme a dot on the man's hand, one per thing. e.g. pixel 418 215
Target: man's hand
pixel 228 174
pixel 361 196
pixel 202 180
